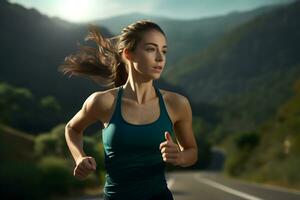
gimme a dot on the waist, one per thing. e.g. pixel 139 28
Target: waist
pixel 137 188
pixel 133 173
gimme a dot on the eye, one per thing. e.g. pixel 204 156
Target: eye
pixel 164 52
pixel 150 49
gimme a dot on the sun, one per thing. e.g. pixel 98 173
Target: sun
pixel 75 10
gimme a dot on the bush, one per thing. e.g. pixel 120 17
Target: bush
pixel 235 164
pixel 59 164
pixel 45 144
pixel 20 180
pixel 56 175
pixel 247 140
pixel 240 152
pixel 52 143
pixel 58 132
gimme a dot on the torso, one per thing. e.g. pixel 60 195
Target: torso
pixel 132 157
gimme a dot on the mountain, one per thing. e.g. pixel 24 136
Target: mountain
pixel 186 37
pixel 117 23
pixel 253 155
pixel 33 46
pixel 250 71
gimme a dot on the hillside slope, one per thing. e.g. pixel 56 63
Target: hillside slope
pixel 249 72
pixel 185 37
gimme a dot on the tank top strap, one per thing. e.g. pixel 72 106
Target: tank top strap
pixel 164 115
pixel 119 98
pixel 117 111
pixel 162 105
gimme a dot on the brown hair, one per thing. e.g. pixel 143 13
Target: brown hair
pixel 104 64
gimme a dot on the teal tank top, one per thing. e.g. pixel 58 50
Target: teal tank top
pixel 133 161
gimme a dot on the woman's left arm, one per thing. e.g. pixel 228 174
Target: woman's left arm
pixel 187 154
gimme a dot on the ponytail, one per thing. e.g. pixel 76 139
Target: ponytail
pixel 103 64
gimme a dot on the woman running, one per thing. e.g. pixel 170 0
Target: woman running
pixel 144 127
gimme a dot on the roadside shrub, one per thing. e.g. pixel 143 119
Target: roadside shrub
pixel 20 180
pixel 56 176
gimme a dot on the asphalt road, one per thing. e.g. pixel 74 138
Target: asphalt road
pixel 196 185
pixel 213 186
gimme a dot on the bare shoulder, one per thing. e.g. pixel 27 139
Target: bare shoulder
pixel 99 105
pixel 177 104
pixel 101 101
pixel 96 108
pixel 174 98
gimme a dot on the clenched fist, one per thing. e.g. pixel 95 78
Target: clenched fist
pixel 84 166
pixel 169 151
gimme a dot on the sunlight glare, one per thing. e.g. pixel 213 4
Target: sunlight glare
pixel 75 10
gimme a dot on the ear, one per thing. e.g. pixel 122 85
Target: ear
pixel 127 54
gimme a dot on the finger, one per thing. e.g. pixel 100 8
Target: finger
pixel 172 161
pixel 85 172
pixel 169 150
pixel 169 160
pixel 163 144
pixel 83 168
pixel 78 173
pixel 93 163
pixel 170 155
pixel 168 137
pixel 88 164
pixel 168 144
pixel 82 171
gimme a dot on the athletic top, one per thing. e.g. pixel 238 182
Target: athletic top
pixel 133 161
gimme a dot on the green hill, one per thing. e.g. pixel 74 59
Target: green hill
pixel 276 151
pixel 185 37
pixel 42 47
pixel 249 72
pixel 33 46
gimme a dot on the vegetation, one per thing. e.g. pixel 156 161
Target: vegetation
pixel 275 144
pixel 247 76
pixel 41 166
pixel 245 102
pixel 22 110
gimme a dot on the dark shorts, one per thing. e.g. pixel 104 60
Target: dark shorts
pixel 165 195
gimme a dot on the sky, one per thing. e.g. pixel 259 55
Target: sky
pixel 88 10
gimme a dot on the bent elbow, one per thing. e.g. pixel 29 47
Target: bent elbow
pixel 69 128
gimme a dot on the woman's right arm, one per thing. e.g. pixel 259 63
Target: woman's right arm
pixel 89 113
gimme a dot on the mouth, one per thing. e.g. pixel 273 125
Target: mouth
pixel 158 67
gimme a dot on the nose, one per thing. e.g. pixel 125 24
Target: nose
pixel 159 56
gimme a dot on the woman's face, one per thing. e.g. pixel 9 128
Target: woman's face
pixel 149 56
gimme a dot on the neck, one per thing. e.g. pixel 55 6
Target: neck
pixel 138 90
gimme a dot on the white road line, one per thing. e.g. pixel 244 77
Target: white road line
pixel 270 187
pixel 225 188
